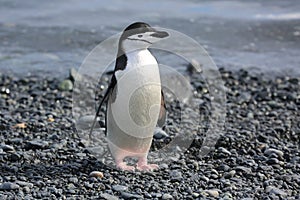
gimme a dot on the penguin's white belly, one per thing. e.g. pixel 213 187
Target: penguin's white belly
pixel 134 107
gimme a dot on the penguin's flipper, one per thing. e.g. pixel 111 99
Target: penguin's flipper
pixel 163 112
pixel 107 93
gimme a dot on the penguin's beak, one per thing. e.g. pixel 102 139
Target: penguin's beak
pixel 160 34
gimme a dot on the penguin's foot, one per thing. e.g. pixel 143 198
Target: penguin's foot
pixel 125 167
pixel 143 165
pixel 147 167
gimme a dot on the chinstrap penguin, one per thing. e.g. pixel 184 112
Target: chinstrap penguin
pixel 134 98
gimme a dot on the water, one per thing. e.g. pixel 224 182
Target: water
pixel 52 36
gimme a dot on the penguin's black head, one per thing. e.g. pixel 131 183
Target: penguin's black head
pixel 140 35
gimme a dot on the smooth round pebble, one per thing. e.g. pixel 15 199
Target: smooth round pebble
pixel 96 174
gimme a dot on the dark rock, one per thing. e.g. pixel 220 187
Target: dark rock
pixel 224 167
pixel 37 144
pixel 273 161
pixel 14 157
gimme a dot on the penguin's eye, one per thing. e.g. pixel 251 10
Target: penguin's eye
pixel 140 36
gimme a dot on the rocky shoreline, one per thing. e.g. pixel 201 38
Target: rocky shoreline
pixel 257 157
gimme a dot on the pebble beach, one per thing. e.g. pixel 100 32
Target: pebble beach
pixel 256 157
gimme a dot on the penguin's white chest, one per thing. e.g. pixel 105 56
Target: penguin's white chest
pixel 138 95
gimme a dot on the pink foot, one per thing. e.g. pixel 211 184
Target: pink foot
pixel 125 167
pixel 147 167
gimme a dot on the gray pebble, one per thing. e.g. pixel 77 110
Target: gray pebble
pixel 37 144
pixel 127 195
pixel 157 195
pixel 119 188
pixel 160 134
pixel 23 184
pixel 7 148
pixel 243 169
pixel 163 166
pixel 108 196
pixel 167 196
pixel 224 168
pixel 147 195
pixel 9 186
pixel 73 180
pixel 195 194
pixel 274 190
pixel 204 178
pixel 175 175
pixel 270 151
pixel 85 122
pixel 229 174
